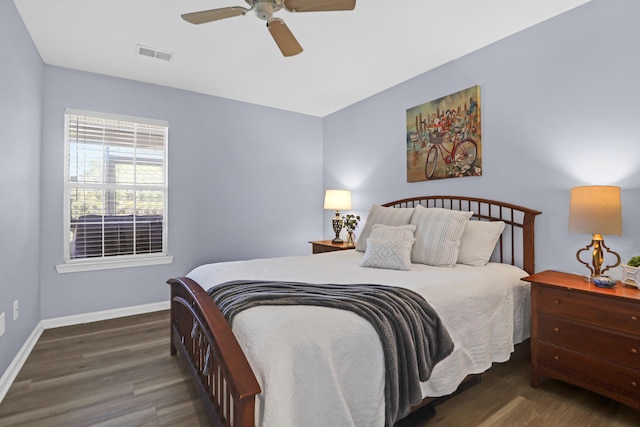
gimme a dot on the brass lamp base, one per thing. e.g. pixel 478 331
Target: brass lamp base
pixel 337 227
pixel 597 256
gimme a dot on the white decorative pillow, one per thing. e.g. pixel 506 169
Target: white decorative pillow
pixel 390 254
pixel 438 233
pixel 390 232
pixel 382 215
pixel 478 242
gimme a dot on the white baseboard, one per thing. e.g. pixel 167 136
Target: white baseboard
pixel 96 316
pixel 14 368
pixel 16 364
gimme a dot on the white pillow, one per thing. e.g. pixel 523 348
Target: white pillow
pixel 478 242
pixel 382 215
pixel 390 254
pixel 438 233
pixel 390 232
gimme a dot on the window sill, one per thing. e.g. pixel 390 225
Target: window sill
pixel 91 265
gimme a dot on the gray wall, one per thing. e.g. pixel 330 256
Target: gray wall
pixel 20 99
pixel 244 181
pixel 559 109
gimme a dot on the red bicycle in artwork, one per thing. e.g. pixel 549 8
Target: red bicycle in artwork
pixel 462 155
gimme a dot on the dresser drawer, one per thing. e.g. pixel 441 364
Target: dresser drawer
pixel 319 249
pixel 605 312
pixel 613 347
pixel 616 381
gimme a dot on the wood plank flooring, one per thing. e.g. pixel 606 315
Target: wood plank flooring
pixel 119 373
pixel 111 373
pixel 505 398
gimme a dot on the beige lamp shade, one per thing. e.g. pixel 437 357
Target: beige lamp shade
pixel 337 199
pixel 595 209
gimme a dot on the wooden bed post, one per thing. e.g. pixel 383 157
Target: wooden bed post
pixel 529 254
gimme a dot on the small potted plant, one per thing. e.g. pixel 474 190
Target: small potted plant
pixel 631 272
pixel 350 223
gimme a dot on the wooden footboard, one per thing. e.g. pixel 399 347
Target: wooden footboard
pixel 222 376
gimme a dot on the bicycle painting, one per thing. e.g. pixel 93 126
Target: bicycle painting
pixel 444 137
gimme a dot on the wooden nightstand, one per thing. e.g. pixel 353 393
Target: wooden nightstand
pixel 586 335
pixel 320 246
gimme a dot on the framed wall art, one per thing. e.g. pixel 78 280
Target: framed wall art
pixel 444 137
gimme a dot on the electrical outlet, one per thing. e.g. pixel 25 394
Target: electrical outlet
pixel 1 324
pixel 15 310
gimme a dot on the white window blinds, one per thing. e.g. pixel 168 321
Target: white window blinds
pixel 116 186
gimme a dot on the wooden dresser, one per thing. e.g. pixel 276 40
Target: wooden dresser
pixel 586 335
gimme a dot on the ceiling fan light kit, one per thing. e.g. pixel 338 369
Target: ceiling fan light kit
pixel 264 9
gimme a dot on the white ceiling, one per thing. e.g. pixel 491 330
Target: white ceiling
pixel 348 56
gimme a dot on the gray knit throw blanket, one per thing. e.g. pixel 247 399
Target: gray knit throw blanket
pixel 412 335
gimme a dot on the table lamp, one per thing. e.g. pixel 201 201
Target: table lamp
pixel 336 200
pixel 596 210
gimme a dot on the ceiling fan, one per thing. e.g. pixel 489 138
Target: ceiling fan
pixel 264 9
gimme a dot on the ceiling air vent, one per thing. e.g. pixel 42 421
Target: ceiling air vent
pixel 154 53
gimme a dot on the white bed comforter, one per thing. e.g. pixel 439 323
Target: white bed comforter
pixel 323 367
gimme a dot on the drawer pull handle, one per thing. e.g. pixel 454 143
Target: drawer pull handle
pixel 556 358
pixel 633 383
pixel 634 317
pixel 634 351
pixel 556 329
pixel 555 301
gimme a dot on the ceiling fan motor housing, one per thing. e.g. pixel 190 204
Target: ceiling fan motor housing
pixel 264 9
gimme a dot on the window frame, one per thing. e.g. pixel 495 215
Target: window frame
pixel 112 261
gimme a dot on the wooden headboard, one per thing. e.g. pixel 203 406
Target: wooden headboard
pixel 517 243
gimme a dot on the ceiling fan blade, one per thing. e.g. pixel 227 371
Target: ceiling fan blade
pixel 318 5
pixel 284 38
pixel 213 14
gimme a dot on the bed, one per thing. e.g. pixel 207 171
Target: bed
pixel 300 365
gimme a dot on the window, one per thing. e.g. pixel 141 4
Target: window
pixel 115 191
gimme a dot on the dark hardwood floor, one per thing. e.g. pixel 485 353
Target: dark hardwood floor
pixel 119 373
pixel 111 373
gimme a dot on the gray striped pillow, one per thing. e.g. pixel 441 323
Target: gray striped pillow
pixel 438 234
pixel 382 215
